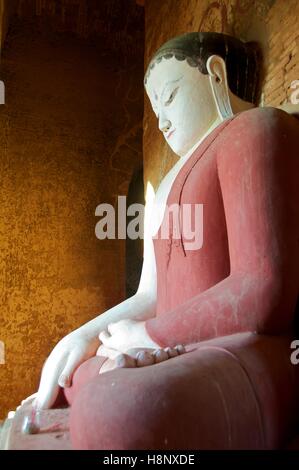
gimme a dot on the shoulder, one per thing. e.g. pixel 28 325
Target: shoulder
pixel 259 134
pixel 260 126
pixel 260 120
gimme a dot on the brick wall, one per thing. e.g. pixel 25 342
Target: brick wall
pixel 282 57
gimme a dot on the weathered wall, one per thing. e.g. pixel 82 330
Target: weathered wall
pixel 273 23
pixel 282 58
pixel 70 138
pixel 116 24
pixel 7 10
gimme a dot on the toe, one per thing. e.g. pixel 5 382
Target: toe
pixel 180 349
pixel 124 360
pixel 144 358
pixel 160 355
pixel 172 352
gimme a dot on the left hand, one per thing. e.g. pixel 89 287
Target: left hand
pixel 124 335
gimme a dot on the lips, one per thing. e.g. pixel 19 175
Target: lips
pixel 170 134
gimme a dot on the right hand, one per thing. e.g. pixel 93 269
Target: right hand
pixel 58 370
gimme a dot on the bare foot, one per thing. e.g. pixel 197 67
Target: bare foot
pixel 140 357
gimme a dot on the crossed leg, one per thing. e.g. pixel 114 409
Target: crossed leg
pixel 216 396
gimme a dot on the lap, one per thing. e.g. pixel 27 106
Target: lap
pixel 84 374
pixel 207 398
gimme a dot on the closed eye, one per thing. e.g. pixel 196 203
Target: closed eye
pixel 171 97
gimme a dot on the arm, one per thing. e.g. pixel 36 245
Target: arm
pixel 81 344
pixel 142 305
pixel 258 174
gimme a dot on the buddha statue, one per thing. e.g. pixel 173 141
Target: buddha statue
pixel 199 356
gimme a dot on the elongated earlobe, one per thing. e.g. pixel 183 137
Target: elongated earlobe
pixel 218 80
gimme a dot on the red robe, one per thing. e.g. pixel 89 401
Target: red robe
pixel 245 276
pixel 230 392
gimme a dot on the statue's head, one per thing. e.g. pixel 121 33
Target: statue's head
pixel 192 80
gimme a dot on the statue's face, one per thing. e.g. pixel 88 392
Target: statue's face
pixel 182 99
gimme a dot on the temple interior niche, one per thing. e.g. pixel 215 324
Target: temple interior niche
pixel 71 139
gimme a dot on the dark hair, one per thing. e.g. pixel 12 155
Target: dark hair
pixel 243 60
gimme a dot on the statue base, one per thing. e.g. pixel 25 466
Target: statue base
pixel 13 438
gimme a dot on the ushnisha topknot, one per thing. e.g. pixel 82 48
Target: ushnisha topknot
pixel 242 59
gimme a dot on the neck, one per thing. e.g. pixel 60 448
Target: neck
pixel 198 142
pixel 237 105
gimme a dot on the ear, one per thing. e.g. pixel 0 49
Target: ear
pixel 218 79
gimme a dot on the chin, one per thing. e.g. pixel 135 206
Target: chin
pixel 181 146
pixel 177 148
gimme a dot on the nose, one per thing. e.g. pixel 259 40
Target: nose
pixel 164 124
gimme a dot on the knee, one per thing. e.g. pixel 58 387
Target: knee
pixel 87 371
pixel 123 409
pixel 184 403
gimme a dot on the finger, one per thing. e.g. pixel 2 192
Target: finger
pixel 73 362
pixel 180 349
pixel 29 399
pixel 107 352
pixel 160 355
pixel 112 327
pixel 49 388
pixel 124 360
pixel 104 337
pixel 48 391
pixel 144 358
